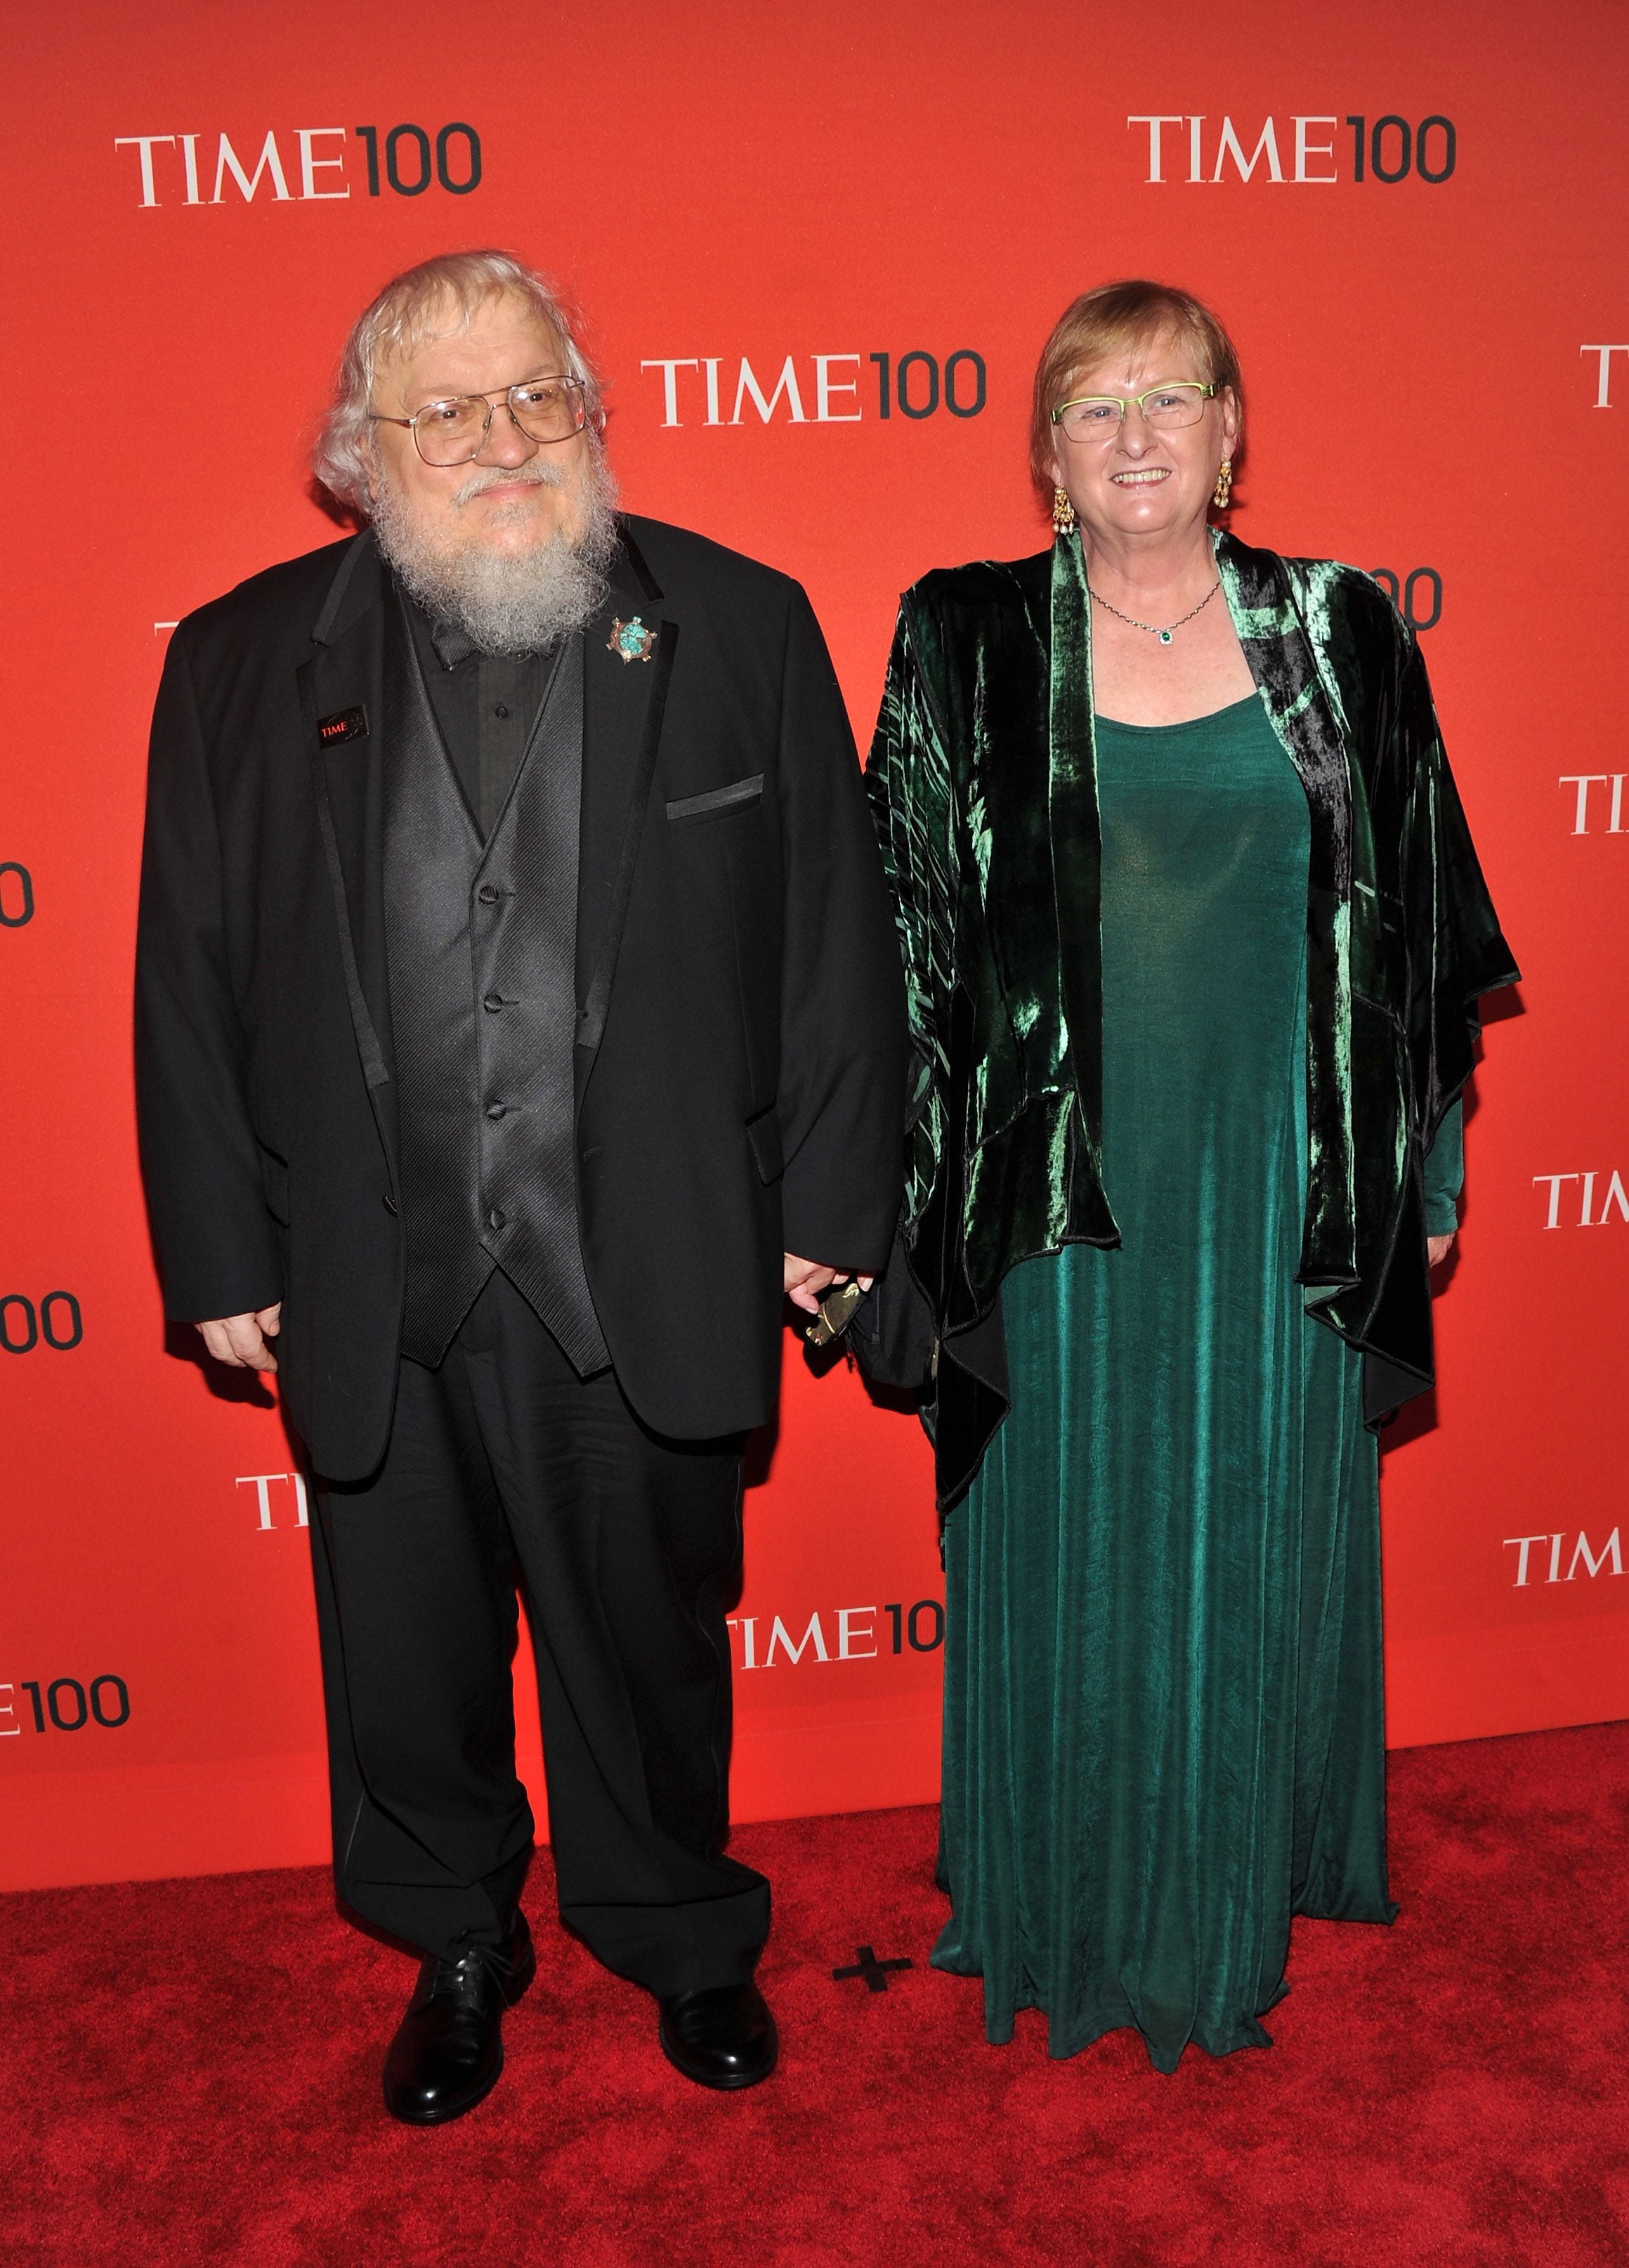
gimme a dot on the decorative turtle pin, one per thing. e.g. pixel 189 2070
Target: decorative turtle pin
pixel 632 640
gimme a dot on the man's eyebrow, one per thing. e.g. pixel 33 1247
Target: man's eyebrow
pixel 454 395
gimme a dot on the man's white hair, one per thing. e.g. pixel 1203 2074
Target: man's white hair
pixel 432 300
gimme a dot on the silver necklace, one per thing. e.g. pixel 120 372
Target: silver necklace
pixel 1153 628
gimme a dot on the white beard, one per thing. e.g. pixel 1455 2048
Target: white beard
pixel 506 604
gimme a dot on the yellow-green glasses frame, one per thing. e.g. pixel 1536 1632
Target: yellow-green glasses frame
pixel 1100 429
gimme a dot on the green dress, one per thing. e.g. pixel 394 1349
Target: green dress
pixel 1164 1732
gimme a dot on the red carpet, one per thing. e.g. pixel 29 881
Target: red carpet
pixel 191 2073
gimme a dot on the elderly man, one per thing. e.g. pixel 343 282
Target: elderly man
pixel 518 1015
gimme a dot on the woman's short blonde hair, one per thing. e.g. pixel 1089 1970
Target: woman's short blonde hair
pixel 1116 318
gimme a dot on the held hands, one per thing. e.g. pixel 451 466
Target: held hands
pixel 807 1282
pixel 240 1341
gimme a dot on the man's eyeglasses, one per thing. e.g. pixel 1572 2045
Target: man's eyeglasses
pixel 453 430
pixel 1099 416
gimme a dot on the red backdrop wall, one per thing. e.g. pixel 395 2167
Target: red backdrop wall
pixel 1411 217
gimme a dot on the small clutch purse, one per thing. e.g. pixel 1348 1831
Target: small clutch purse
pixel 837 1311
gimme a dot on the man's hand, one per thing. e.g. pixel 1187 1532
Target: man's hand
pixel 240 1341
pixel 807 1282
pixel 1438 1248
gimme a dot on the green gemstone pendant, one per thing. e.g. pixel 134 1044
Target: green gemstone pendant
pixel 1153 628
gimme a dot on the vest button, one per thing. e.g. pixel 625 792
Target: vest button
pixel 495 1218
pixel 492 1003
pixel 497 1109
pixel 390 1205
pixel 487 896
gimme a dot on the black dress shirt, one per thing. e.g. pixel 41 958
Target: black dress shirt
pixel 486 706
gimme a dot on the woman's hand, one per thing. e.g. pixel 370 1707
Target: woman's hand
pixel 1438 1248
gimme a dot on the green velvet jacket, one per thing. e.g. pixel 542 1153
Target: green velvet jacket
pixel 983 784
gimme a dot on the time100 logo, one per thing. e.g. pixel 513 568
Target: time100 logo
pixel 413 155
pixel 65 1706
pixel 830 391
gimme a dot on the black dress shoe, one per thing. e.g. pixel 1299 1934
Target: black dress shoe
pixel 725 2036
pixel 449 2047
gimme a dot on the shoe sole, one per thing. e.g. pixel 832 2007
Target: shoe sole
pixel 721 2085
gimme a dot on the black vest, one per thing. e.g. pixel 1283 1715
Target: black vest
pixel 481 941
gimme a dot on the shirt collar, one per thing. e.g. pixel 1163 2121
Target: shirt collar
pixel 452 644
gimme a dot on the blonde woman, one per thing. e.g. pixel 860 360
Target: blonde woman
pixel 1195 933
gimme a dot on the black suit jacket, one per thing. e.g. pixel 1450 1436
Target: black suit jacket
pixel 740 1060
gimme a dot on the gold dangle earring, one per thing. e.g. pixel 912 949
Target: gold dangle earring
pixel 1224 484
pixel 1063 512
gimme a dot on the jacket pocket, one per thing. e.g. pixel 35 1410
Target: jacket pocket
pixel 763 1132
pixel 718 799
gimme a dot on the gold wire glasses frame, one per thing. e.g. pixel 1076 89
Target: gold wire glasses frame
pixel 453 430
pixel 1097 416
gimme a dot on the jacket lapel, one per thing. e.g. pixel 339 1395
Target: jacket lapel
pixel 623 700
pixel 1281 660
pixel 1076 833
pixel 346 673
pixel 1281 651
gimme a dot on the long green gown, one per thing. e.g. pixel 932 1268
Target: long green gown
pixel 1164 1730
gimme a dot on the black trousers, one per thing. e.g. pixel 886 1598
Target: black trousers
pixel 505 1467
